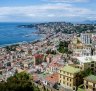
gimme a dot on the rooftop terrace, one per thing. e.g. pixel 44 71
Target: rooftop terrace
pixel 70 69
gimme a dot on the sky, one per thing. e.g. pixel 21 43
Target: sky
pixel 47 10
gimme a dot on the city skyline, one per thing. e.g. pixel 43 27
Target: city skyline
pixel 47 10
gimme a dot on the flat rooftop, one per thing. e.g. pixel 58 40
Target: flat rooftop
pixel 70 69
pixel 91 78
pixel 86 59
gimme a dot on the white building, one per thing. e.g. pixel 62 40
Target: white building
pixel 86 38
pixel 87 62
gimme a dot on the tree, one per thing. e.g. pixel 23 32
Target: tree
pixel 63 47
pixel 86 73
pixel 19 82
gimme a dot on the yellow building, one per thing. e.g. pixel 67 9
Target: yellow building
pixel 69 77
pixel 90 83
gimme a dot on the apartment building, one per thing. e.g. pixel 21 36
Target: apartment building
pixel 86 38
pixel 79 48
pixel 69 77
pixel 90 83
pixel 86 62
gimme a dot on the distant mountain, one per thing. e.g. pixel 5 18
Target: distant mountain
pixel 89 22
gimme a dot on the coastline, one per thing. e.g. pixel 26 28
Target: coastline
pixel 24 42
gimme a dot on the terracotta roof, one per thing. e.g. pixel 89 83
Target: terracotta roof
pixel 39 56
pixel 35 77
pixel 52 78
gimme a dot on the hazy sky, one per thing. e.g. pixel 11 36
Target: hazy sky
pixel 47 10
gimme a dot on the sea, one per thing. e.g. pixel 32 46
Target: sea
pixel 10 34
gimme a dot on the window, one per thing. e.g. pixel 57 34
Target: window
pixel 60 81
pixel 86 87
pixel 93 85
pixel 94 89
pixel 64 72
pixel 67 73
pixel 70 80
pixel 92 61
pixel 92 69
pixel 60 76
pixel 92 65
pixel 63 77
pixel 67 79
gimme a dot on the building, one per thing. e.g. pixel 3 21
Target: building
pixel 28 63
pixel 79 48
pixel 90 83
pixel 87 50
pixel 85 45
pixel 86 62
pixel 94 38
pixel 54 67
pixel 52 79
pixel 69 77
pixel 86 38
pixel 94 43
pixel 82 50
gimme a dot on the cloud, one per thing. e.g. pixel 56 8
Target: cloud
pixel 44 11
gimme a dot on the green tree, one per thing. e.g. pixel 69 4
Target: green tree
pixel 86 73
pixel 63 47
pixel 19 82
